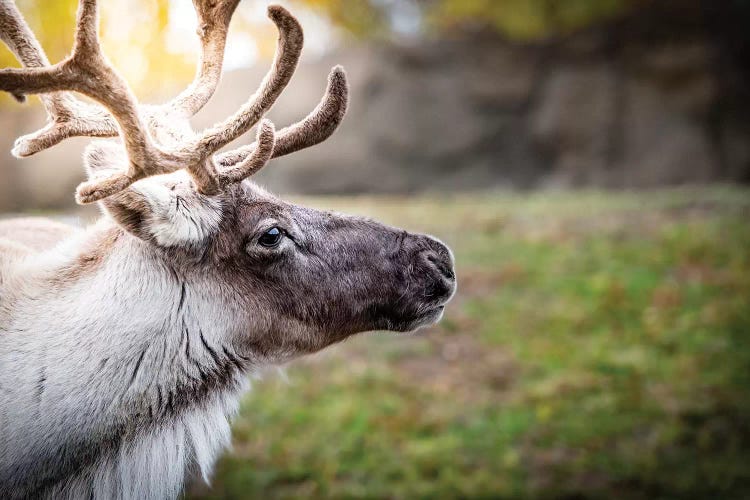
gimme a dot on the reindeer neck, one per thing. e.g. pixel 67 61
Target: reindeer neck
pixel 113 297
pixel 114 355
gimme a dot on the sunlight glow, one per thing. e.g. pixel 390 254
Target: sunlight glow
pixel 250 21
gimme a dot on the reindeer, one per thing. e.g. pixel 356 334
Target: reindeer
pixel 125 346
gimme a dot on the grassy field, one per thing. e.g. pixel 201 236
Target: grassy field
pixel 597 348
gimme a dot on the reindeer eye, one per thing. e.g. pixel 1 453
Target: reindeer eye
pixel 271 238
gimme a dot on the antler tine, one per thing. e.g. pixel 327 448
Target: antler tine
pixel 265 140
pixel 68 116
pixel 318 126
pixel 285 62
pixel 213 26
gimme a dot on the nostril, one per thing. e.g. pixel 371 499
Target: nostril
pixel 445 269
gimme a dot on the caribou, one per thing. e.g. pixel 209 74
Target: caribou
pixel 125 346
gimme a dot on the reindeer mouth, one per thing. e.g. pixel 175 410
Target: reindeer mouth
pixel 429 313
pixel 424 318
pixel 433 315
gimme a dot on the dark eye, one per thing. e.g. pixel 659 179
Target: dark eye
pixel 271 238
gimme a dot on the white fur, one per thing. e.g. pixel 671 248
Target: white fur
pixel 175 219
pixel 83 343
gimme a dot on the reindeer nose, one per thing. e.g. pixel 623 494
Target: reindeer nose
pixel 440 257
pixel 445 268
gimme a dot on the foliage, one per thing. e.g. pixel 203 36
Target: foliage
pixel 360 18
pixel 597 348
pixel 525 19
pixel 516 19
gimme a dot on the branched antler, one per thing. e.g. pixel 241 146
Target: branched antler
pixel 87 71
pixel 284 64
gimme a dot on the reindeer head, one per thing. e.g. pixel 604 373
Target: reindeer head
pixel 284 279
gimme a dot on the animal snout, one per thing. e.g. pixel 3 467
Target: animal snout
pixel 443 265
pixel 440 274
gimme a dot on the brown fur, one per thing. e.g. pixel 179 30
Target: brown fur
pixel 90 257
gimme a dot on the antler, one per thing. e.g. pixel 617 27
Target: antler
pixel 87 71
pixel 315 128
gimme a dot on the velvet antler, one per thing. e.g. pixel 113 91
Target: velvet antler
pixel 149 151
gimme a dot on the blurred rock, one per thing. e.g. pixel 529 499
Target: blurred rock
pixel 569 122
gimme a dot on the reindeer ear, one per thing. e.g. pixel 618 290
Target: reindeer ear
pixel 164 209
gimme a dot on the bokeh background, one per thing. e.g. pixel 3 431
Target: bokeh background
pixel 588 162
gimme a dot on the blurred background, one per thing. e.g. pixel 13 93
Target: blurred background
pixel 588 162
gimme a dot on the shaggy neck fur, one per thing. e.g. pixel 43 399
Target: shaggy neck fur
pixel 115 354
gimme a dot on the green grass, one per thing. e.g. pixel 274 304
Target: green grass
pixel 597 348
